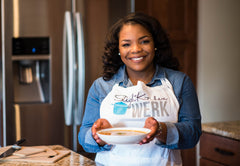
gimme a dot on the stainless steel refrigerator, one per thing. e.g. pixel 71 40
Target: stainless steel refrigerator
pixel 50 55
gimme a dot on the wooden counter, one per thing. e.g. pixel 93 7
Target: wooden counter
pixel 73 159
pixel 220 144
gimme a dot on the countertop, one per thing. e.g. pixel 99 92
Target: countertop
pixel 230 129
pixel 73 159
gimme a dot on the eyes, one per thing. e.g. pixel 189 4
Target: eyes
pixel 145 42
pixel 126 44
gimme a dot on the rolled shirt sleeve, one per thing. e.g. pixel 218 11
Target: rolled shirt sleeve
pixel 90 145
pixel 172 135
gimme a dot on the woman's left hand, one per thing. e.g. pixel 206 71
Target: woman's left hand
pixel 153 125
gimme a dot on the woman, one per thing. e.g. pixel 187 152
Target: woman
pixel 140 72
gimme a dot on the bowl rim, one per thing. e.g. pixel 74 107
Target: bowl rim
pixel 125 128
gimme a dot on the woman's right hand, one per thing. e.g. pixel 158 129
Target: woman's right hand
pixel 98 125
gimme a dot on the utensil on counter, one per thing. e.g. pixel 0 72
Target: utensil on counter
pixel 14 148
pixel 51 156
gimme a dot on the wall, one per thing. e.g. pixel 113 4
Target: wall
pixel 218 84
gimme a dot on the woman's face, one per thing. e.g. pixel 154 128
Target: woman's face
pixel 136 47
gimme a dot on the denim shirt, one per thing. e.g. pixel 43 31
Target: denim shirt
pixel 181 135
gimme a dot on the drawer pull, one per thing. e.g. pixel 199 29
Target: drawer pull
pixel 224 152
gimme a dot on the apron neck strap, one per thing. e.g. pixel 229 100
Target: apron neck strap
pixel 166 83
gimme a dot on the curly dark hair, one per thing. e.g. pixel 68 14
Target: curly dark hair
pixel 163 54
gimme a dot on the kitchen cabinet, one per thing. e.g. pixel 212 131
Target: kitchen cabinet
pixel 179 19
pixel 220 144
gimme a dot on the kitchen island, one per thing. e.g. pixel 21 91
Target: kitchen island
pixel 72 159
pixel 220 144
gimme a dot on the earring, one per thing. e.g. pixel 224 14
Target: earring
pixel 155 49
pixel 119 54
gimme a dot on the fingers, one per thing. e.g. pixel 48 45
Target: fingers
pixel 95 136
pixel 152 124
pixel 147 139
pixel 98 140
pixel 98 125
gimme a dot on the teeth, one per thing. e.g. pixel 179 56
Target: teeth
pixel 137 58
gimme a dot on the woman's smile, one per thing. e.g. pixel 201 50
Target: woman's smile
pixel 137 59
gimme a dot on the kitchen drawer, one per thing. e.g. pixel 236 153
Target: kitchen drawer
pixel 220 149
pixel 204 162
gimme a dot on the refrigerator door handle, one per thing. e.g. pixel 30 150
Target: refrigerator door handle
pixel 68 68
pixel 81 69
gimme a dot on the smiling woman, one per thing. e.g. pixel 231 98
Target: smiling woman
pixel 141 88
pixel 152 33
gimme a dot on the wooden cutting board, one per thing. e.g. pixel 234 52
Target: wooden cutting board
pixel 41 154
pixel 26 151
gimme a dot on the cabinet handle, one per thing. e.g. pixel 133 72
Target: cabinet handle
pixel 224 152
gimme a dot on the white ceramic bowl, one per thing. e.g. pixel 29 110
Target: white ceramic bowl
pixel 119 136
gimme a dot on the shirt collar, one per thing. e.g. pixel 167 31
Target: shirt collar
pixel 122 78
pixel 159 73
